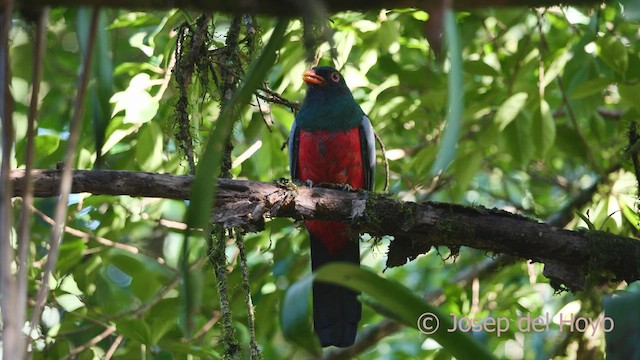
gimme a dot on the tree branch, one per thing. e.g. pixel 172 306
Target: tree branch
pixel 290 7
pixel 570 257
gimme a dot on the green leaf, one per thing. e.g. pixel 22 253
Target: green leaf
pixel 191 297
pixel 162 318
pixel 191 349
pixel 478 67
pixel 543 129
pixel 138 105
pixel 136 330
pixel 556 67
pixel 345 41
pixel 100 90
pixel 295 315
pixel 46 145
pixel 631 10
pixel 147 274
pixel 614 53
pixel 387 35
pixel 149 147
pixel 132 19
pixel 101 94
pixel 138 40
pixel 631 216
pixel 510 109
pixel 117 131
pixel 410 309
pixel 590 87
pixel 623 325
pixel 629 95
pixel 451 132
pixel 571 143
pixel 69 302
pixel 71 253
pixel 586 220
pixel 466 167
pixel 519 140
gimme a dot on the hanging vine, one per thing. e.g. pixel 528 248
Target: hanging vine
pixel 199 57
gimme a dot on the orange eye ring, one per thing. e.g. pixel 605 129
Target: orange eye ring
pixel 335 77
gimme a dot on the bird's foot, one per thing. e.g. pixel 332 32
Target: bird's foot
pixel 347 187
pixel 344 187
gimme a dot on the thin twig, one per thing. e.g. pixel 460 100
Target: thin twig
pixel 255 350
pixel 113 347
pixel 95 340
pixel 207 326
pixel 88 317
pixel 87 236
pixel 267 122
pixel 167 77
pixel 386 161
pixel 142 309
pixel 65 183
pixel 368 338
pixel 274 97
pixel 171 224
pixel 136 312
pixel 610 114
pixel 12 337
pixel 27 199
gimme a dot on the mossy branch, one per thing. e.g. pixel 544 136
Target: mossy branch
pixel 218 259
pixel 570 257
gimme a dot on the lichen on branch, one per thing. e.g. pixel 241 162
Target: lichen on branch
pixel 570 257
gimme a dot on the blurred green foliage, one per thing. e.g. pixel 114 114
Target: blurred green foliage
pixel 549 95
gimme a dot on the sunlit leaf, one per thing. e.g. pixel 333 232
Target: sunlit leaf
pixel 509 109
pixel 555 69
pixel 139 106
pixel 149 147
pixel 46 144
pixel 69 302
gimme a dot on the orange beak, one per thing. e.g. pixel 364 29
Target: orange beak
pixel 310 77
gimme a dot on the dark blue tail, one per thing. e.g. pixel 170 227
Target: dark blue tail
pixel 336 310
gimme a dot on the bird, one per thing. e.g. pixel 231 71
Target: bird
pixel 332 141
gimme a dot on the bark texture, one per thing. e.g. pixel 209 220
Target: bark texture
pixel 572 259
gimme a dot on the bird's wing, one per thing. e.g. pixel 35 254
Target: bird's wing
pixel 368 149
pixel 294 138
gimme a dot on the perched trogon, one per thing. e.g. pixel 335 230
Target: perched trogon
pixel 332 141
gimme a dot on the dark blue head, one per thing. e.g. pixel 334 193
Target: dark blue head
pixel 329 104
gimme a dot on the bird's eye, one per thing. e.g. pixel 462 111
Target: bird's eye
pixel 335 77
